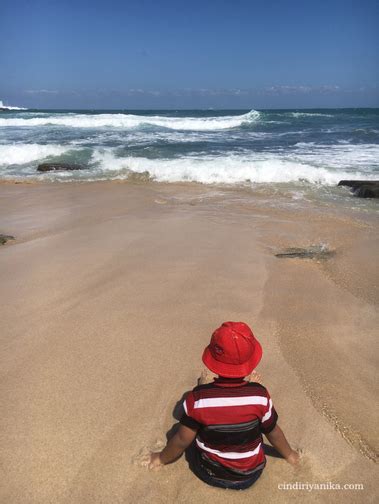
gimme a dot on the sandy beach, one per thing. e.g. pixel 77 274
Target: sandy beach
pixel 110 292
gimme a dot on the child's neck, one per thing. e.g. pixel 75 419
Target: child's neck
pixel 225 378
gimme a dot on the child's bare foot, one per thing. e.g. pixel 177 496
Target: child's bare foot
pixel 205 377
pixel 254 377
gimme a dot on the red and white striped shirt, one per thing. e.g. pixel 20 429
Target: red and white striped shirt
pixel 230 416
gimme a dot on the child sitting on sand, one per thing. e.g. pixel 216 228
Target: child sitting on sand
pixel 223 421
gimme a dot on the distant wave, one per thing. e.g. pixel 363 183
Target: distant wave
pixel 4 107
pixel 309 114
pixel 127 121
pixel 8 107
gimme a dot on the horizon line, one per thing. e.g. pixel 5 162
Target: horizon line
pixel 23 109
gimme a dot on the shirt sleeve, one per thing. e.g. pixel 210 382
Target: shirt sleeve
pixel 270 416
pixel 187 418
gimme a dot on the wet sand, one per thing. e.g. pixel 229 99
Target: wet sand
pixel 110 293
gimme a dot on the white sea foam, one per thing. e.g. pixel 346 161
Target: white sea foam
pixel 308 162
pixel 128 121
pixel 26 153
pixel 361 156
pixel 229 169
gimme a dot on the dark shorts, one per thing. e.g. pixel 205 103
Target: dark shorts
pixel 197 467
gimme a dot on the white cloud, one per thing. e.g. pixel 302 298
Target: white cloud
pixel 41 91
pixel 295 90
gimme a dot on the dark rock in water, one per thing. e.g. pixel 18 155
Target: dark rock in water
pixel 367 191
pixel 44 167
pixel 319 252
pixel 362 188
pixel 357 183
pixel 5 238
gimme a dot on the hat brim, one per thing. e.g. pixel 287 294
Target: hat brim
pixel 233 370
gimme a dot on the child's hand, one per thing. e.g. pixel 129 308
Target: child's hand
pixel 293 458
pixel 205 377
pixel 254 377
pixel 152 461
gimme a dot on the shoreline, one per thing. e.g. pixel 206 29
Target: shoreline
pixel 299 196
pixel 112 290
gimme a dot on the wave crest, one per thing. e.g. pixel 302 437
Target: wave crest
pixel 229 169
pixel 128 121
pixel 19 154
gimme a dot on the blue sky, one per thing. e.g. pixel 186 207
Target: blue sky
pixel 188 54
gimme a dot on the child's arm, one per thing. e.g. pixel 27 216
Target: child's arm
pixel 280 443
pixel 174 448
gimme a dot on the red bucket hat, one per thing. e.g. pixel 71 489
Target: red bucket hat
pixel 233 351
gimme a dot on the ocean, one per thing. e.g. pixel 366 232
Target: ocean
pixel 301 150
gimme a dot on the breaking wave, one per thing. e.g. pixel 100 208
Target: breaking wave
pixel 127 121
pixel 307 163
pixel 230 169
pixel 9 107
pixel 19 154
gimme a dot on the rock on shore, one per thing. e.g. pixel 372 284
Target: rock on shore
pixel 4 238
pixel 318 252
